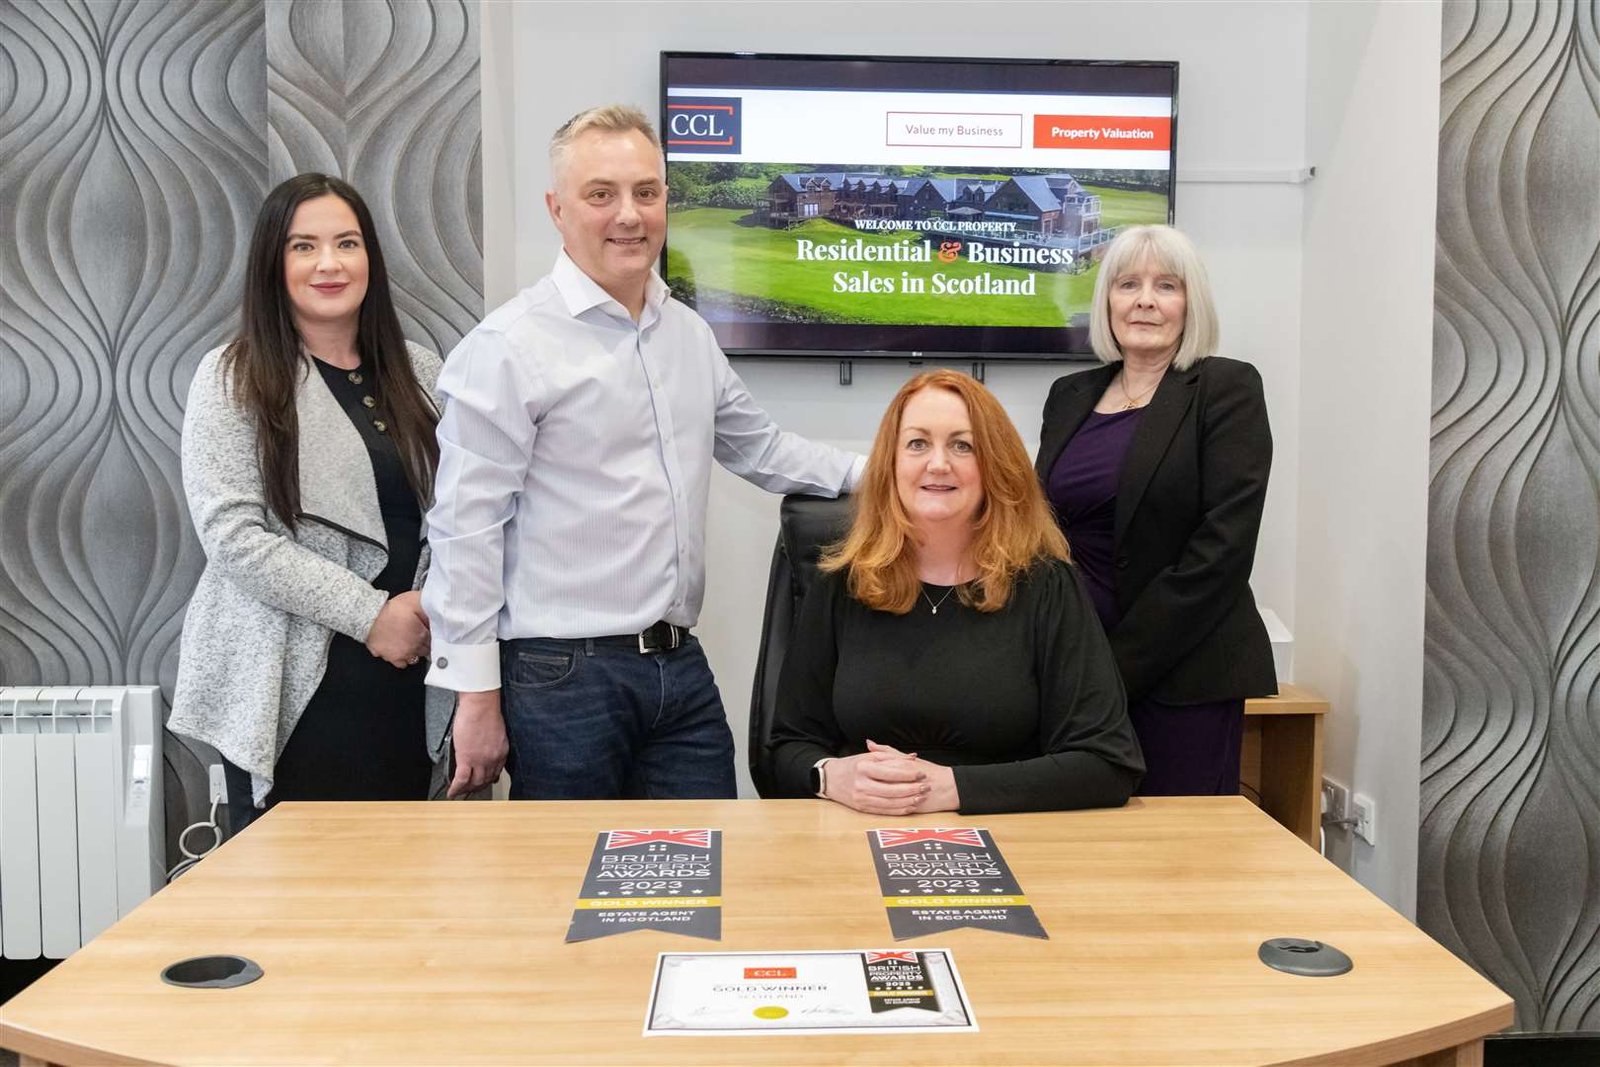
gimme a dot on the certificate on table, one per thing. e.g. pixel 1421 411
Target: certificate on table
pixel 865 991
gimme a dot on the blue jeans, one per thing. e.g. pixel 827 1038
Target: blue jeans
pixel 593 721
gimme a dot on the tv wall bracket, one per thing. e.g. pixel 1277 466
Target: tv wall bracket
pixel 847 369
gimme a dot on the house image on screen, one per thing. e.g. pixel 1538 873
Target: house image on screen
pixel 1049 204
pixel 874 196
pixel 1052 209
pixel 793 198
pixel 944 198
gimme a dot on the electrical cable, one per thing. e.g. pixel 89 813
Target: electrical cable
pixel 192 858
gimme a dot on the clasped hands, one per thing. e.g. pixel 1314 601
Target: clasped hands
pixel 885 781
pixel 399 635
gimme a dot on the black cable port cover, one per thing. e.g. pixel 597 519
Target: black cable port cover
pixel 212 972
pixel 1298 955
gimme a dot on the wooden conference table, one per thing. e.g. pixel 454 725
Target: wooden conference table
pixel 433 934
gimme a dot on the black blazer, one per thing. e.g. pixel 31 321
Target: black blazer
pixel 1188 511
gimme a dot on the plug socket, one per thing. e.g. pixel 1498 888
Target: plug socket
pixel 1364 813
pixel 1335 803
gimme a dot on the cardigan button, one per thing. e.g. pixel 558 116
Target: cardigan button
pixel 1122 563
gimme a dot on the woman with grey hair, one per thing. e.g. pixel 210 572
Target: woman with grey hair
pixel 1156 465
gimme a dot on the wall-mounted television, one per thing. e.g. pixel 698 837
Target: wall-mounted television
pixel 847 207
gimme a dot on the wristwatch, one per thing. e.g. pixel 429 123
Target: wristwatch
pixel 819 778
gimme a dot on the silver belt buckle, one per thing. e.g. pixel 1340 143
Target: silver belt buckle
pixel 674 640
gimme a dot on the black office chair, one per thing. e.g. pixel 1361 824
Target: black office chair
pixel 805 525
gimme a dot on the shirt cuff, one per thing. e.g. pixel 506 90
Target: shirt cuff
pixel 857 470
pixel 464 668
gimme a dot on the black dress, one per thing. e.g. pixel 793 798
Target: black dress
pixel 1190 749
pixel 362 735
pixel 1024 703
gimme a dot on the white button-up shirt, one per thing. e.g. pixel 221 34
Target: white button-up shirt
pixel 575 457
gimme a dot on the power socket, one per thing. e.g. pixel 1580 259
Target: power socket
pixel 1364 812
pixel 219 784
pixel 1335 803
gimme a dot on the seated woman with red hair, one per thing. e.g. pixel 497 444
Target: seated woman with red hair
pixel 947 658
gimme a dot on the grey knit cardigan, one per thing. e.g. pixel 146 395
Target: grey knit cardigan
pixel 255 639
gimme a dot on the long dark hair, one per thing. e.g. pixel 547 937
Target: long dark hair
pixel 266 359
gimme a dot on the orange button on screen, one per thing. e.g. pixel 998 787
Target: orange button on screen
pixel 1138 132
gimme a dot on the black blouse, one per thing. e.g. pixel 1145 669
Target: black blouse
pixel 357 393
pixel 1024 703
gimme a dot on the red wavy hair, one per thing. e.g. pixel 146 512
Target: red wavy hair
pixel 1013 529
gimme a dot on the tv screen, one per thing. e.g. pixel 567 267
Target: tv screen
pixel 848 207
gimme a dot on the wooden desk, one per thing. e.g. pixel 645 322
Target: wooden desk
pixel 432 934
pixel 1280 765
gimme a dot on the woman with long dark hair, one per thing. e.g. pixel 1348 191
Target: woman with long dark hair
pixel 308 460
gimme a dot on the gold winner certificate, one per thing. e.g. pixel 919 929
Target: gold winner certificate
pixel 862 991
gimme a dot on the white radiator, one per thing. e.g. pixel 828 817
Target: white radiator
pixel 82 834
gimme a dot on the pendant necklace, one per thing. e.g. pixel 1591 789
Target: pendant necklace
pixel 942 599
pixel 1133 401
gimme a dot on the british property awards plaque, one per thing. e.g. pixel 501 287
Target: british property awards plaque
pixel 651 880
pixel 940 879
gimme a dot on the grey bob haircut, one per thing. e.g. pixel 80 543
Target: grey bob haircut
pixel 1174 254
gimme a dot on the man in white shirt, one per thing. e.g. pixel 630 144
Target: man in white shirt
pixel 568 528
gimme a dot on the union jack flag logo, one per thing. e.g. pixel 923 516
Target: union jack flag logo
pixel 956 835
pixel 903 957
pixel 634 838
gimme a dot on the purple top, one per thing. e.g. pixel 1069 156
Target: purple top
pixel 1193 749
pixel 1083 490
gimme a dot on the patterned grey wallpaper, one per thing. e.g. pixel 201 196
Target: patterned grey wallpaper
pixel 385 94
pixel 1509 871
pixel 137 141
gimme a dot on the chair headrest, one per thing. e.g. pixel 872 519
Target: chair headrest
pixel 806 524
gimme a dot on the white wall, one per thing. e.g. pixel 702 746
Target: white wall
pixel 1327 287
pixel 1366 370
pixel 1242 108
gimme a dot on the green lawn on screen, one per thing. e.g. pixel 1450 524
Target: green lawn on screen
pixel 755 261
pixel 1125 207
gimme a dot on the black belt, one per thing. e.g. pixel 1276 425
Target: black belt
pixel 662 637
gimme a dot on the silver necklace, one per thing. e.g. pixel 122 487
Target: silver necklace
pixel 942 599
